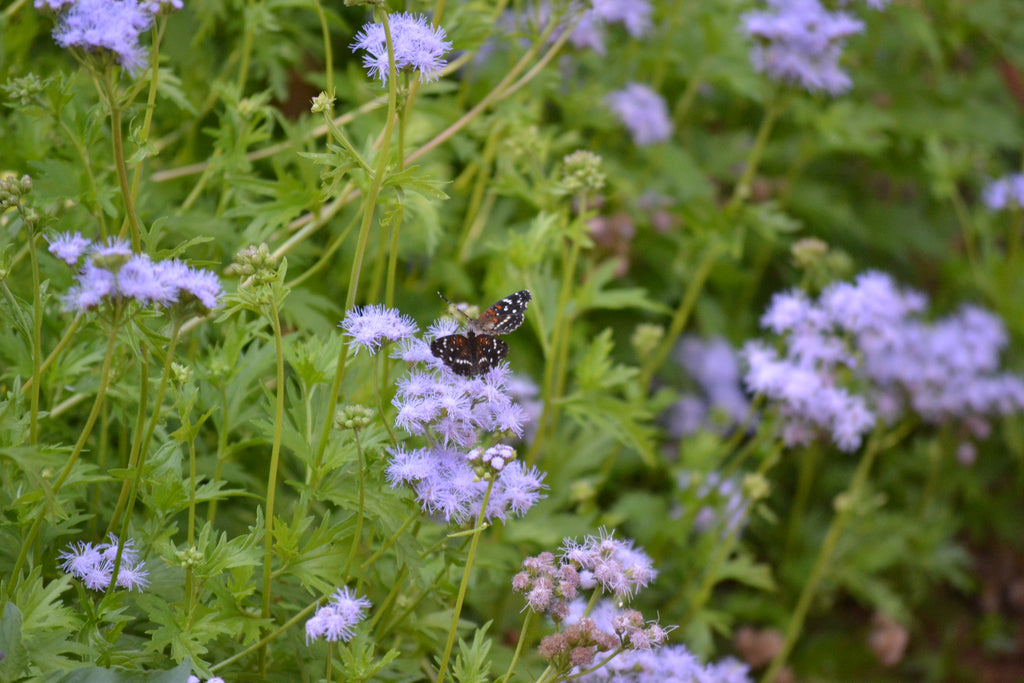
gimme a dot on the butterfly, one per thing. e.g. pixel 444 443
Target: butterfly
pixel 479 349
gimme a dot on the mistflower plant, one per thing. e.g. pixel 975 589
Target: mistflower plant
pixel 715 366
pixel 800 42
pixel 417 45
pixel 644 113
pixel 93 565
pixel 338 618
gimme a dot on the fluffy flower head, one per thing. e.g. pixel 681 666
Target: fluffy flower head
pixel 644 113
pixel 417 46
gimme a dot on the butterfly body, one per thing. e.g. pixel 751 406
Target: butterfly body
pixel 479 349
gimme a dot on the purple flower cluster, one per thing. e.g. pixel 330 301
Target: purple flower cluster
pixel 1006 192
pixel 196 679
pixel 112 272
pixel 800 42
pixel 338 618
pixel 723 505
pixel 417 46
pixel 609 563
pixel 94 565
pixel 113 26
pixel 670 663
pixel 446 483
pixel 868 334
pixel 589 32
pixel 452 406
pixel 644 113
pixel 371 326
pixel 714 366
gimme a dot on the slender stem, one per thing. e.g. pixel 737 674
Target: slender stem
pixel 64 341
pixel 681 317
pixel 390 542
pixel 742 189
pixel 369 204
pixel 805 478
pixel 222 446
pixel 558 348
pixel 247 40
pixel 147 121
pixel 37 343
pixel 328 51
pixel 464 586
pixel 90 421
pixel 380 401
pixel 267 638
pixel 126 501
pixel 275 456
pixel 358 533
pixel 505 87
pixel 821 564
pixel 519 646
pixel 122 175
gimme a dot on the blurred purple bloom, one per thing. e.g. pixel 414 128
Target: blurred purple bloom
pixel 417 46
pixel 337 619
pixel 800 42
pixel 371 326
pixel 589 31
pixel 714 365
pixel 94 565
pixel 723 505
pixel 643 111
pixel 1006 192
pixel 192 284
pixel 69 247
pixel 868 334
pixel 112 25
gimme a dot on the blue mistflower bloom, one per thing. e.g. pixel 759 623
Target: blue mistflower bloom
pixel 644 113
pixel 103 25
pixel 69 247
pixel 800 42
pixel 1006 192
pixel 337 619
pixel 372 326
pixel 417 45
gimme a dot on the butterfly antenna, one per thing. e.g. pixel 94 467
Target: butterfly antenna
pixel 453 306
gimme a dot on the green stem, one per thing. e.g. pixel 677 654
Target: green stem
pixel 742 189
pixel 464 586
pixel 391 541
pixel 358 533
pixel 122 174
pixel 37 341
pixel 821 563
pixel 275 456
pixel 378 390
pixel 328 51
pixel 247 40
pixel 222 445
pixel 267 638
pixel 805 478
pixel 90 421
pixel 681 316
pixel 553 371
pixel 369 204
pixel 519 646
pixel 137 462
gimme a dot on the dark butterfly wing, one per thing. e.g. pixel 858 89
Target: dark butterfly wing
pixel 489 352
pixel 504 316
pixel 455 351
